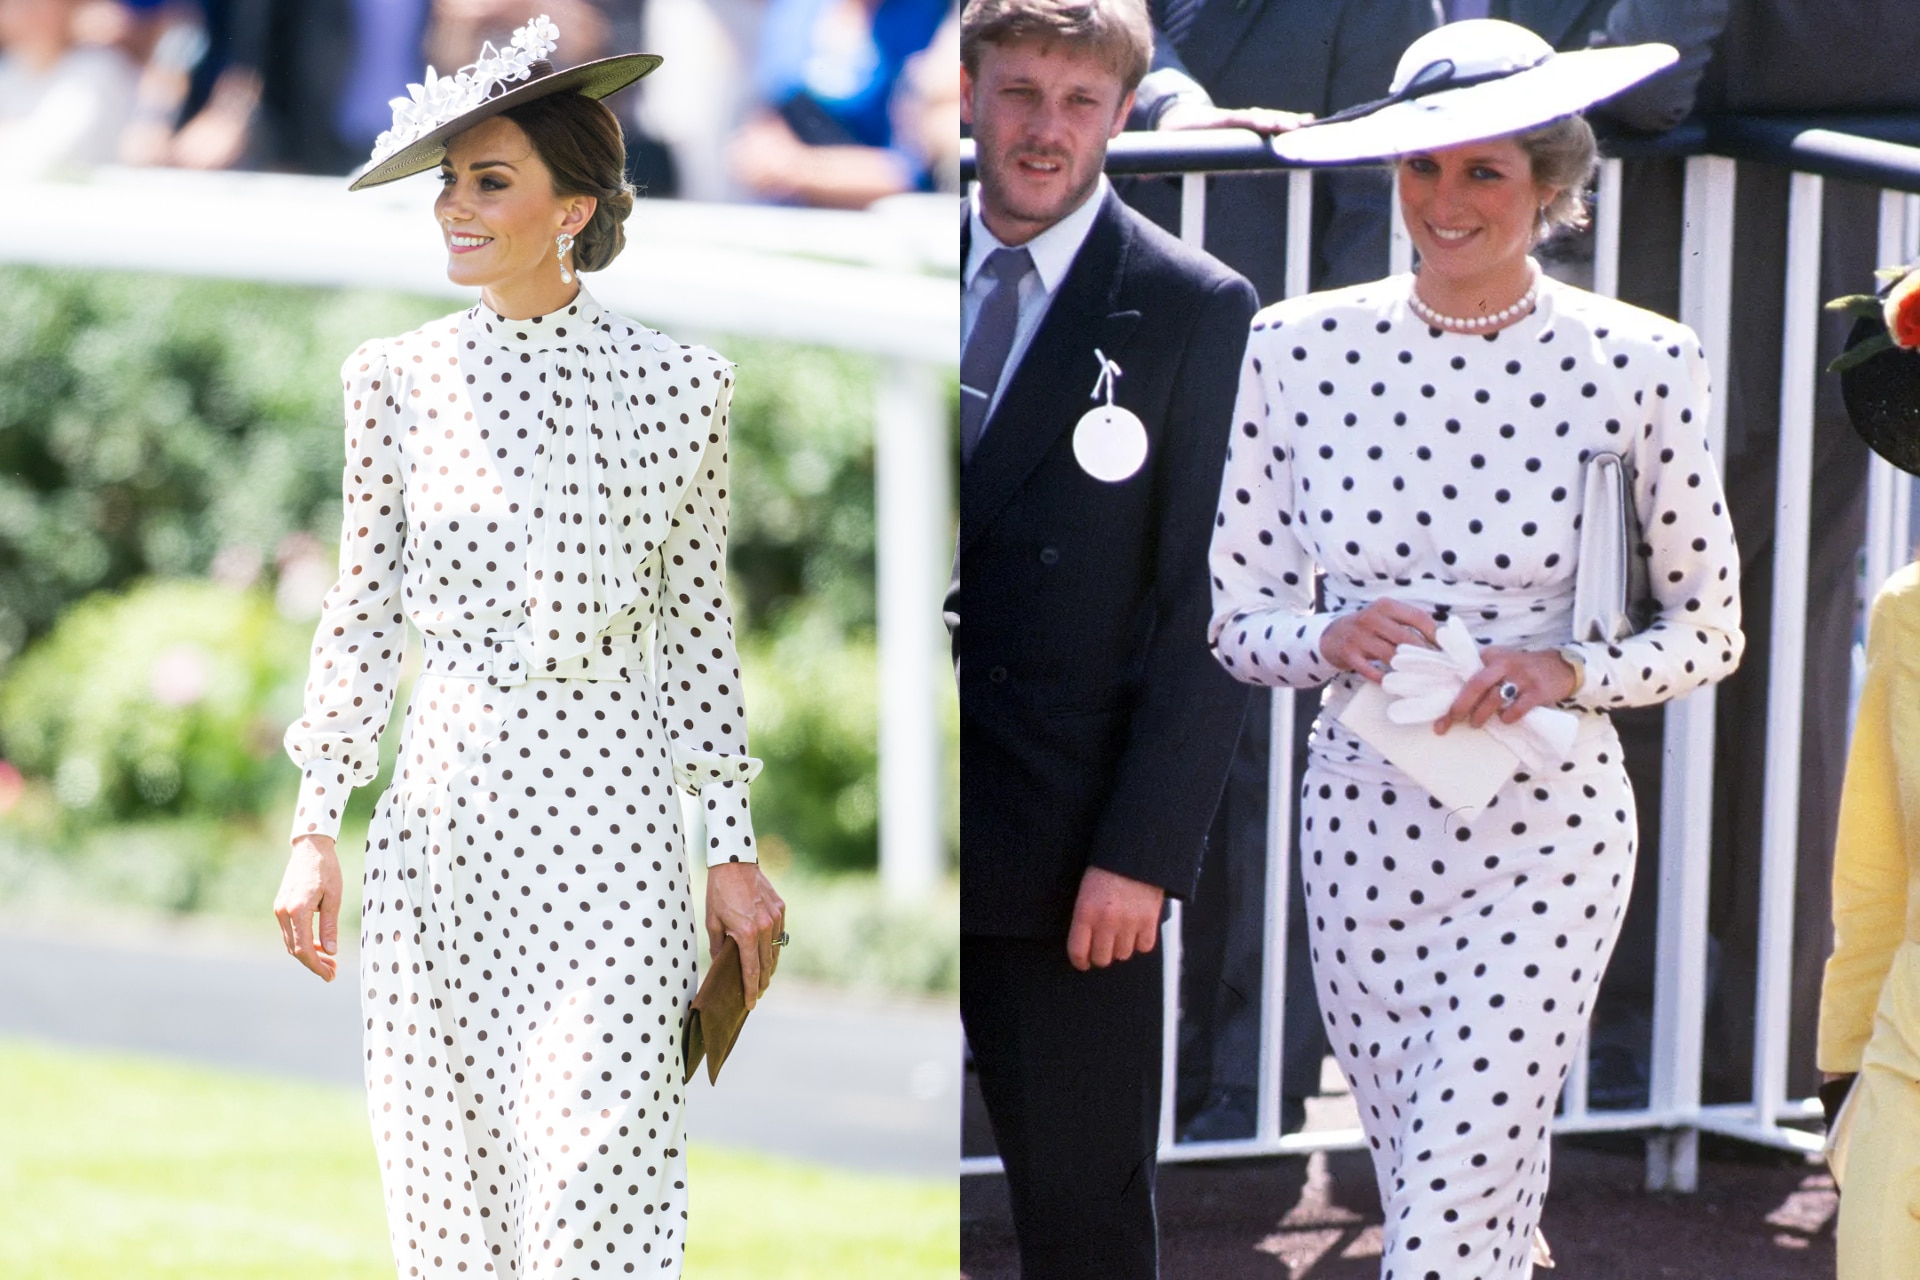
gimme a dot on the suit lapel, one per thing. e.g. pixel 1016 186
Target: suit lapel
pixel 1049 391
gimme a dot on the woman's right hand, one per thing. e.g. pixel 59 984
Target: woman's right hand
pixel 1364 642
pixel 311 888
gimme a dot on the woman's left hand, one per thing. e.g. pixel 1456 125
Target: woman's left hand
pixel 742 905
pixel 1539 678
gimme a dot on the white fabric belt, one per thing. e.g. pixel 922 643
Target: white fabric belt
pixel 501 661
pixel 1513 618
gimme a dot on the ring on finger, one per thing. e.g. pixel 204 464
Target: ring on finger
pixel 1509 693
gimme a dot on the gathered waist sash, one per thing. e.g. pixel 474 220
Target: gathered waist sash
pixel 501 660
pixel 1515 618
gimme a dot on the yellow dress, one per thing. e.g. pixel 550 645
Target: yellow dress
pixel 1870 1001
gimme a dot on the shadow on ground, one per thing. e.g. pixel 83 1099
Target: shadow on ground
pixel 1757 1216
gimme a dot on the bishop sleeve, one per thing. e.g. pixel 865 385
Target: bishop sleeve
pixel 699 666
pixel 1870 858
pixel 1687 537
pixel 358 644
pixel 1265 629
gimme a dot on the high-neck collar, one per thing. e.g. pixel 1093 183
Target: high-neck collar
pixel 567 327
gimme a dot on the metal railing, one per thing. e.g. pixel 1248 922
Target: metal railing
pixel 1675 1115
pixel 879 282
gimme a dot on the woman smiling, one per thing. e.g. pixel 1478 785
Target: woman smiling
pixel 540 488
pixel 1407 464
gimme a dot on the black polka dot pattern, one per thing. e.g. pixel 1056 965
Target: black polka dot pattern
pixel 545 500
pixel 1456 957
pixel 1445 469
pixel 1457 953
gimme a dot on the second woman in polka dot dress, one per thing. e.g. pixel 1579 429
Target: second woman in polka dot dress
pixel 539 487
pixel 1415 446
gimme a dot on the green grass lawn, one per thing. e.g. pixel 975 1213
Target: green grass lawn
pixel 122 1168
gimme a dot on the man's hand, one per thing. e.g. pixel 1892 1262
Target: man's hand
pixel 1114 917
pixel 1204 115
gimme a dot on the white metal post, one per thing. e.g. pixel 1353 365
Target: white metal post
pixel 1193 209
pixel 1780 831
pixel 1170 960
pixel 1606 230
pixel 913 512
pixel 1686 808
pixel 1273 968
pixel 1193 230
pixel 1299 276
pixel 1280 780
pixel 1889 489
pixel 1573 1094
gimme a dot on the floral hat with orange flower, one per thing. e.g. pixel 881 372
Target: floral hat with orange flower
pixel 1880 369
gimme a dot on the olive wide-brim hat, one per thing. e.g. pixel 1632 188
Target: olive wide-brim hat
pixel 1467 82
pixel 446 105
pixel 1882 395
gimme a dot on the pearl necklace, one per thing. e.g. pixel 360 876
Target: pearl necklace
pixel 1477 324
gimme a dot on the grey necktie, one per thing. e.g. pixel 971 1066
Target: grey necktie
pixel 989 343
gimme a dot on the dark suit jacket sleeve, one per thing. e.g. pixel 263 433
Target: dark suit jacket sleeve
pixel 1351 205
pixel 1691 26
pixel 1168 81
pixel 1183 729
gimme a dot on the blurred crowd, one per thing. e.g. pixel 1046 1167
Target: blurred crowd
pixel 830 103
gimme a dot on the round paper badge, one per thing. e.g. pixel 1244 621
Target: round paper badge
pixel 1110 443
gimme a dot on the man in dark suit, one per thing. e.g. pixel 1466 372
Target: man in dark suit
pixel 1271 58
pixel 1095 729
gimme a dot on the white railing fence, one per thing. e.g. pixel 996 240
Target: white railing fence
pixel 1675 1114
pixel 879 282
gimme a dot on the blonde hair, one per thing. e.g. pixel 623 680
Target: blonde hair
pixel 1118 31
pixel 1564 155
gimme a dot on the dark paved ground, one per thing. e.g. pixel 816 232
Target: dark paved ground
pixel 1757 1218
pixel 816 1076
pixel 1758 1215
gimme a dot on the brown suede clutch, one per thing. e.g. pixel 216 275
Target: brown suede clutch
pixel 719 1011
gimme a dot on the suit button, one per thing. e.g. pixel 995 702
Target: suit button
pixel 1049 556
pixel 998 675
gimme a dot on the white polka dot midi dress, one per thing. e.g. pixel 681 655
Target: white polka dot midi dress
pixel 1456 954
pixel 546 502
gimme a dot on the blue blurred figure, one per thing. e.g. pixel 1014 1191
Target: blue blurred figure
pixel 829 74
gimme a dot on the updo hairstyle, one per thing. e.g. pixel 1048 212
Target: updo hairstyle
pixel 1563 154
pixel 579 140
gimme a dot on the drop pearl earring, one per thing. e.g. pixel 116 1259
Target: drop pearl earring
pixel 564 241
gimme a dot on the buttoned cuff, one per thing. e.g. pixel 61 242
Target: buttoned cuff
pixel 324 788
pixel 729 825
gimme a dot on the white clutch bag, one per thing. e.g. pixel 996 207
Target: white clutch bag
pixel 1611 597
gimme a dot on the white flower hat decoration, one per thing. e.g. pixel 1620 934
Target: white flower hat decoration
pixel 442 106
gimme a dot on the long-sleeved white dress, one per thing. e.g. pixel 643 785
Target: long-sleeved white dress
pixel 541 499
pixel 1456 956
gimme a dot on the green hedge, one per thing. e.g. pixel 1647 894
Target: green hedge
pixel 157 431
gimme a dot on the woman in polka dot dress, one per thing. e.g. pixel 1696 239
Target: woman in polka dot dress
pixel 1415 446
pixel 540 488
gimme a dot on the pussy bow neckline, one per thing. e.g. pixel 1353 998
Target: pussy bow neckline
pixel 569 327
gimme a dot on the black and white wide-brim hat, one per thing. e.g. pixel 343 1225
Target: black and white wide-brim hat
pixel 1467 82
pixel 494 82
pixel 1882 395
